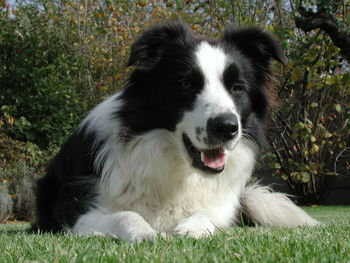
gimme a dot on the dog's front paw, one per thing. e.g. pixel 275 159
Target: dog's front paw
pixel 196 226
pixel 140 236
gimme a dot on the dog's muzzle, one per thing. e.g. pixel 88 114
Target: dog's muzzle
pixel 220 131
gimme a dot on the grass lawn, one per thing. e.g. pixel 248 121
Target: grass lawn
pixel 329 243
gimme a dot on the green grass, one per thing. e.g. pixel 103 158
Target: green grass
pixel 329 243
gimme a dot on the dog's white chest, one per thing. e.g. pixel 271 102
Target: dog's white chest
pixel 164 203
pixel 156 182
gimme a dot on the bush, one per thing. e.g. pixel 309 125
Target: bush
pixel 311 125
pixel 20 165
pixel 38 96
pixel 6 203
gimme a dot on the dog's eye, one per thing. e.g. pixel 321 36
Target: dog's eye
pixel 236 88
pixel 186 84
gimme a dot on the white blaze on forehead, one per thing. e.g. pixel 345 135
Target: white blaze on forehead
pixel 213 61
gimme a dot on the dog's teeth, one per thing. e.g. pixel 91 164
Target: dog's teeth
pixel 202 157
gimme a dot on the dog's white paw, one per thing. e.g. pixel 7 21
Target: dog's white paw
pixel 195 226
pixel 140 236
pixel 147 236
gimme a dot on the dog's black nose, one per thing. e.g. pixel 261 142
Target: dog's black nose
pixel 223 127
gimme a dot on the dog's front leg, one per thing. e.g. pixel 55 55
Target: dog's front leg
pixel 197 225
pixel 126 225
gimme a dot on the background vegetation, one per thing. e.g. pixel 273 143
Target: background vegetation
pixel 59 58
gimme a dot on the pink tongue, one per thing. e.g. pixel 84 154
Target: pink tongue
pixel 215 162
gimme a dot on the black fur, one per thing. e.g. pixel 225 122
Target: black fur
pixel 152 97
pixel 259 47
pixel 68 189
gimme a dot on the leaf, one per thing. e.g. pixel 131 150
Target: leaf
pixel 304 177
pixel 337 107
pixel 274 165
pixel 305 134
pixel 299 125
pixel 10 120
pixel 329 80
pixel 294 175
pixel 323 131
pixel 284 177
pixel 314 148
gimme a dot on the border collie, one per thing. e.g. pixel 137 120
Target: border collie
pixel 174 150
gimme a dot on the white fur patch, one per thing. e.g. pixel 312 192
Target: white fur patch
pixel 126 225
pixel 101 119
pixel 197 225
pixel 273 209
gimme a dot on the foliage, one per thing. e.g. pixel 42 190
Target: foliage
pixel 37 86
pixel 20 164
pixel 311 128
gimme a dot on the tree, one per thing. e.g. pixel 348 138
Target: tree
pixel 312 124
pixel 325 18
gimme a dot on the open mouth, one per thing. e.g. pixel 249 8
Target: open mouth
pixel 208 160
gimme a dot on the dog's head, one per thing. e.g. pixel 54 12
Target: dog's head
pixel 208 92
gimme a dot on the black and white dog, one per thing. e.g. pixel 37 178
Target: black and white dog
pixel 174 150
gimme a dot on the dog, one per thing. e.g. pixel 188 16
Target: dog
pixel 174 150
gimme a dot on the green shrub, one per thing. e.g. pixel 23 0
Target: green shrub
pixel 311 125
pixel 37 79
pixel 20 165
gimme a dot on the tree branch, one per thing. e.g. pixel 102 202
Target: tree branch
pixel 323 20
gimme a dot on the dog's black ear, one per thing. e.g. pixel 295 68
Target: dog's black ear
pixel 156 41
pixel 256 44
